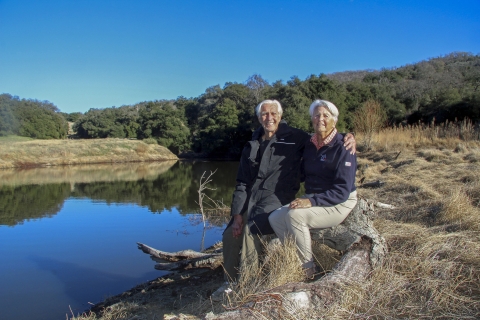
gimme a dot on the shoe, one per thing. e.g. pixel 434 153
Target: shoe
pixel 221 292
pixel 312 272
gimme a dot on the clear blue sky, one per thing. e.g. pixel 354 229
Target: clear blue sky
pixel 86 54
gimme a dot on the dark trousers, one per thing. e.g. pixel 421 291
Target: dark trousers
pixel 240 252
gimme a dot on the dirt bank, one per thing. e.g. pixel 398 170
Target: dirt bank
pixel 186 292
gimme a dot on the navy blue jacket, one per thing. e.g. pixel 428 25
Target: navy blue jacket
pixel 329 172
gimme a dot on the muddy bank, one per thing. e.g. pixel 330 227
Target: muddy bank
pixel 185 292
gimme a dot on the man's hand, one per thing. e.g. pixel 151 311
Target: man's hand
pixel 300 203
pixel 350 143
pixel 237 225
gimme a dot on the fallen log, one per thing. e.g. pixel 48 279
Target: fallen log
pixel 357 225
pixel 300 297
pixel 363 250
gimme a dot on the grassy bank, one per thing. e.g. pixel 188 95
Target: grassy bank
pixel 432 270
pixel 16 152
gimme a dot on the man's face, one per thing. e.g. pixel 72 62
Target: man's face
pixel 322 120
pixel 269 118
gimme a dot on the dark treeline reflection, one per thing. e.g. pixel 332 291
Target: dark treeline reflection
pixel 20 203
pixel 175 188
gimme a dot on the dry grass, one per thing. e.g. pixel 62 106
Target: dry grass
pixel 279 266
pixel 432 270
pixel 447 135
pixel 35 153
pixel 433 267
pixel 427 274
pixel 121 310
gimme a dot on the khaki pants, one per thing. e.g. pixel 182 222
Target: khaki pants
pixel 241 251
pixel 298 222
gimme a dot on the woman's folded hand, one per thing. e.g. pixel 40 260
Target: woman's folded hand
pixel 300 203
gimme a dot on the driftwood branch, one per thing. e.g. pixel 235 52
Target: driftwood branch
pixel 184 259
pixel 375 184
pixel 384 205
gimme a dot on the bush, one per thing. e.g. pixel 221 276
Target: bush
pixel 150 141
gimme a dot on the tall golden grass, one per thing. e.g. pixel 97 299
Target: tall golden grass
pixel 16 153
pixel 448 134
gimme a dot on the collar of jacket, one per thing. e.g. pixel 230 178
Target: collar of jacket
pixel 282 130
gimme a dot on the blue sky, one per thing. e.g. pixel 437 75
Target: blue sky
pixel 86 54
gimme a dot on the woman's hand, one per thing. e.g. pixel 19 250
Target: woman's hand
pixel 237 225
pixel 300 203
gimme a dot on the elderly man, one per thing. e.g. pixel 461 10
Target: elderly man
pixel 268 177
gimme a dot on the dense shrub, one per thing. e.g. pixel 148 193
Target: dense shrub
pixel 31 118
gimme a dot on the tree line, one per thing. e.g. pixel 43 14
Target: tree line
pixel 221 120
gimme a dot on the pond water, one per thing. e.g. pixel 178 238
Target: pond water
pixel 68 234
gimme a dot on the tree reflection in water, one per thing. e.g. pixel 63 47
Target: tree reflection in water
pixel 40 192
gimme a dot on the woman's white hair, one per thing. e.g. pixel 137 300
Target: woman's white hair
pixel 259 106
pixel 327 104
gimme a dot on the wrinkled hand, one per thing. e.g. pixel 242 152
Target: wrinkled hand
pixel 237 225
pixel 350 143
pixel 300 203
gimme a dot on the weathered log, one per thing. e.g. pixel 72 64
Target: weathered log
pixel 364 249
pixel 357 225
pixel 299 297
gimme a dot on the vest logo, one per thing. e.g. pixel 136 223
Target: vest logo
pixel 348 164
pixel 323 157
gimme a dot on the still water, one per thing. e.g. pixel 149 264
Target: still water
pixel 68 235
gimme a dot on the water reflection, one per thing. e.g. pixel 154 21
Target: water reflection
pixel 78 287
pixel 69 234
pixel 84 173
pixel 158 186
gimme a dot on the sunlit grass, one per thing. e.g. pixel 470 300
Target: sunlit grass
pixel 34 153
pixel 13 138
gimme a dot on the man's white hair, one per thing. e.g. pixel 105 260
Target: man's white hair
pixel 259 106
pixel 327 104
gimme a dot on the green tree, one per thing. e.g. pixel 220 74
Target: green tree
pixel 167 124
pixel 219 132
pixel 40 120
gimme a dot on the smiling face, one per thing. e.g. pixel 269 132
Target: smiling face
pixel 269 117
pixel 323 121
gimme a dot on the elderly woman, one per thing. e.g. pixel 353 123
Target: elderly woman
pixel 329 181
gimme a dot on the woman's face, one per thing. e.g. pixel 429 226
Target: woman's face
pixel 322 120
